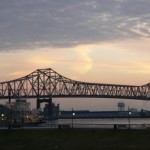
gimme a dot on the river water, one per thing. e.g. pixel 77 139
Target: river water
pixel 106 121
pixel 122 123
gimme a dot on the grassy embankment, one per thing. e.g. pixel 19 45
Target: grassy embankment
pixel 74 139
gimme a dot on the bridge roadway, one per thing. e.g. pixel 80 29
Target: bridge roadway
pixel 44 84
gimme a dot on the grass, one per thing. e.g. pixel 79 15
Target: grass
pixel 74 139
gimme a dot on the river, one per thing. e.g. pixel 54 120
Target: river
pixel 106 121
pixel 136 123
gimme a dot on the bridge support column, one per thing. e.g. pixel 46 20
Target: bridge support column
pixel 38 103
pixel 9 100
pixel 50 104
pixel 9 94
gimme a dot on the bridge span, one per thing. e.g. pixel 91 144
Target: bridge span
pixel 45 84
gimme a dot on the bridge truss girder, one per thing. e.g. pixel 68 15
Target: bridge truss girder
pixel 46 83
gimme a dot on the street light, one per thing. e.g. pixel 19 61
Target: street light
pixel 73 114
pixel 22 118
pixel 129 114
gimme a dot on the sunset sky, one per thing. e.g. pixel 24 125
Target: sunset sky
pixel 104 41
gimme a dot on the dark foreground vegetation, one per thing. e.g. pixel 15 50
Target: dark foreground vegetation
pixel 74 139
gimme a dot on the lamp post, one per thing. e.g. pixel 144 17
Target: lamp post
pixel 9 117
pixel 129 114
pixel 22 118
pixel 73 114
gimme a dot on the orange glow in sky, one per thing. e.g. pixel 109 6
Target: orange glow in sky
pixel 109 62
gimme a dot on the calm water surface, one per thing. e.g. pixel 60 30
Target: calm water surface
pixel 106 121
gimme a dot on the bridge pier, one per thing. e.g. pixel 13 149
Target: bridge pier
pixel 9 100
pixel 49 101
pixel 38 103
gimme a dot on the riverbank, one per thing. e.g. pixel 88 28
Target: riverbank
pixel 74 139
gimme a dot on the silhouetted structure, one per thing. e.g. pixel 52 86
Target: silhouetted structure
pixel 44 84
pixel 51 109
pixel 103 114
pixel 121 106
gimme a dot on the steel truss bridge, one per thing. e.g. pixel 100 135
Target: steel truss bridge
pixel 44 84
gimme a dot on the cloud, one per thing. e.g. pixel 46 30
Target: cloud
pixel 78 60
pixel 71 62
pixel 83 60
pixel 142 29
pixel 43 23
